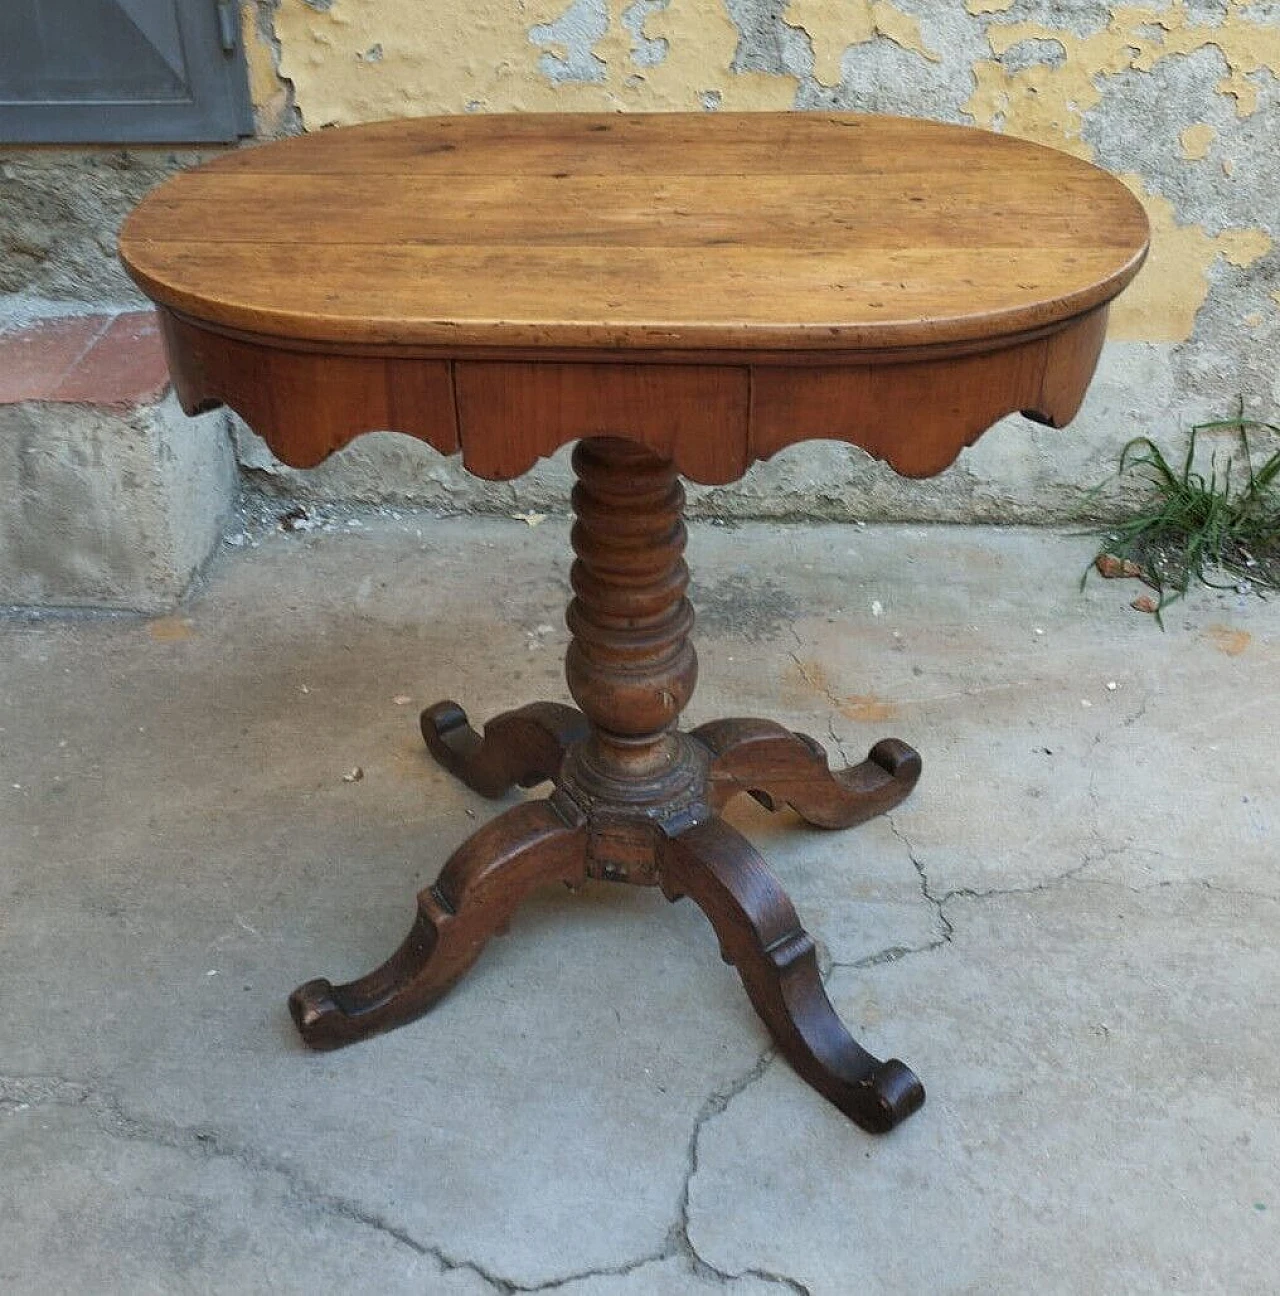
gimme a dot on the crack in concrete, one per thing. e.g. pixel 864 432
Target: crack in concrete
pixel 1202 884
pixel 1243 892
pixel 1051 883
pixel 926 889
pixel 1131 720
pixel 896 952
pixel 814 681
pixel 678 1241
pixel 839 742
pixel 610 1271
pixel 18 1092
pixel 1100 851
pixel 819 685
pixel 21 1092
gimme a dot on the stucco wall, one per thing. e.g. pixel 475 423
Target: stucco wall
pixel 1180 99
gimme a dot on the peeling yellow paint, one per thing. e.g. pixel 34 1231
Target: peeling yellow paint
pixel 1195 141
pixel 267 92
pixel 835 26
pixel 1246 45
pixel 902 29
pixel 478 56
pixel 701 42
pixel 1242 247
pixel 1048 103
pixel 262 73
pixel 1041 102
pixel 1161 304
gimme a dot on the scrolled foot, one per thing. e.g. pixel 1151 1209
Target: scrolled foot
pixel 524 746
pixel 778 767
pixel 761 936
pixel 473 899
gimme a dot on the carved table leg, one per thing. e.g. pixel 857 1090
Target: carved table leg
pixel 759 933
pixel 524 746
pixel 778 767
pixel 636 800
pixel 473 899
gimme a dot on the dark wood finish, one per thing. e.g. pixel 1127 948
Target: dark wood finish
pixel 635 800
pixel 307 404
pixel 918 416
pixel 681 294
pixel 780 768
pixel 525 746
pixel 630 667
pixel 696 415
pixel 712 421
pixel 503 287
pixel 474 898
pixel 759 933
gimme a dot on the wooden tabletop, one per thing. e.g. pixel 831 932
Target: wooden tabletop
pixel 674 233
pixel 714 286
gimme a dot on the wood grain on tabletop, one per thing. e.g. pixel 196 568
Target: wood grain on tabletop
pixel 680 232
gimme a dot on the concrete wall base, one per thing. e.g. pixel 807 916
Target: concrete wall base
pixel 109 507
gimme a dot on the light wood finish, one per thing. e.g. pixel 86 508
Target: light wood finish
pixel 715 287
pixel 693 232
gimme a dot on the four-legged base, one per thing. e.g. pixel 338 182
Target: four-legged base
pixel 675 841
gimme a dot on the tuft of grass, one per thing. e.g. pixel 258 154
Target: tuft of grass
pixel 1198 526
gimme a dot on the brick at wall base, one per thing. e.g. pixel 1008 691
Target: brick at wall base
pixel 109 506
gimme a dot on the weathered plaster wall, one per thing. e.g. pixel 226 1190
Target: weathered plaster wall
pixel 1182 99
pixel 60 210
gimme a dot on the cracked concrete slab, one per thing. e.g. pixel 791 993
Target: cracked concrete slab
pixel 138 1208
pixel 674 1277
pixel 1101 1066
pixel 1067 930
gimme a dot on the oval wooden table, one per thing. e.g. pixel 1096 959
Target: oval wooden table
pixel 683 294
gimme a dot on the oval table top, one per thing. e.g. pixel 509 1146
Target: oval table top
pixel 715 286
pixel 671 232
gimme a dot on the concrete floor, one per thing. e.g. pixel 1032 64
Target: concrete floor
pixel 1071 931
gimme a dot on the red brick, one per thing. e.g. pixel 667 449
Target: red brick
pixel 108 360
pixel 33 361
pixel 124 366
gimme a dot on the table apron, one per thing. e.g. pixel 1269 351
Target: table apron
pixel 712 419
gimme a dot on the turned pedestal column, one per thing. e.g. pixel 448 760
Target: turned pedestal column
pixel 635 800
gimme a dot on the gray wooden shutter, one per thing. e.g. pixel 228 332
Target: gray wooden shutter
pixel 121 71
